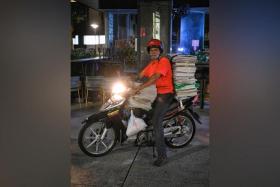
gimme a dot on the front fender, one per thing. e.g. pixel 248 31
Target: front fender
pixel 111 118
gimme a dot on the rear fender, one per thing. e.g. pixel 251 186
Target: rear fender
pixel 194 115
pixel 191 113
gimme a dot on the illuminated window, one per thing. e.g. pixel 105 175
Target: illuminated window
pixel 94 39
pixel 75 40
pixel 102 39
pixel 156 25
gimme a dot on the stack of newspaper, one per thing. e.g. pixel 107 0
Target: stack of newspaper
pixel 145 99
pixel 183 71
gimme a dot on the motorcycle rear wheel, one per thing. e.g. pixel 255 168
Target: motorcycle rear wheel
pixel 90 141
pixel 187 133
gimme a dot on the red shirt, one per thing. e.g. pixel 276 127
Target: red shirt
pixel 164 83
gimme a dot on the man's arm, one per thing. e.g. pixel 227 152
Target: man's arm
pixel 138 76
pixel 141 74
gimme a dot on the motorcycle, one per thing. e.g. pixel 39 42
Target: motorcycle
pixel 102 130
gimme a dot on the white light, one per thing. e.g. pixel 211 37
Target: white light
pixel 135 44
pixel 76 40
pixel 90 40
pixel 101 39
pixel 180 49
pixel 95 26
pixel 195 43
pixel 118 88
pixel 93 39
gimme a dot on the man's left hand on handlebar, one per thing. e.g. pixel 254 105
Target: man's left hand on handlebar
pixel 134 91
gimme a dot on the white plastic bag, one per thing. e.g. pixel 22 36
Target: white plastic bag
pixel 135 125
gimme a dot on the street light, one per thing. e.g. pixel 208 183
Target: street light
pixel 95 26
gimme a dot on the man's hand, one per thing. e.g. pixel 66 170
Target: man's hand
pixel 134 77
pixel 134 91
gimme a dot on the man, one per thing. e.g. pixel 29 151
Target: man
pixel 158 71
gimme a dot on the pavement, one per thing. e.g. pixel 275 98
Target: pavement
pixel 188 166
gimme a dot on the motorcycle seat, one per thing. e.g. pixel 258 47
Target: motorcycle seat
pixel 188 101
pixel 173 105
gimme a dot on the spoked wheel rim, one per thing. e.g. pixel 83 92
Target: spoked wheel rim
pixel 92 139
pixel 186 132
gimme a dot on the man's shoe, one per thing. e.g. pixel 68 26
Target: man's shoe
pixel 160 161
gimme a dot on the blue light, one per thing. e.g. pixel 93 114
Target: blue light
pixel 110 27
pixel 192 28
pixel 181 49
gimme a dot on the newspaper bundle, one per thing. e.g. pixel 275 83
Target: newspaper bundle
pixel 184 75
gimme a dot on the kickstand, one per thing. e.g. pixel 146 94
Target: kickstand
pixel 153 144
pixel 154 156
pixel 121 138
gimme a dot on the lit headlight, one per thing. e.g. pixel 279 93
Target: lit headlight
pixel 118 88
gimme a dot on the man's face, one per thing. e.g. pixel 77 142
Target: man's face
pixel 154 53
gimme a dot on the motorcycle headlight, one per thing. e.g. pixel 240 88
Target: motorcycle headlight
pixel 118 88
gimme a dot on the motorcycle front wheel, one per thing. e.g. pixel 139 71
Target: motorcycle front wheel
pixel 96 140
pixel 186 133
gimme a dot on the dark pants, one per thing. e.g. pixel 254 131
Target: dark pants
pixel 160 107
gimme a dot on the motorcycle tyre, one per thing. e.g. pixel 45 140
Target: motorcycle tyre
pixel 80 141
pixel 193 133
